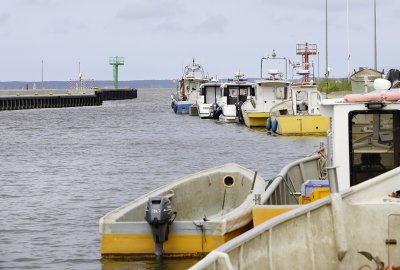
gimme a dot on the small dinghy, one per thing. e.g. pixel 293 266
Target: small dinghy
pixel 189 217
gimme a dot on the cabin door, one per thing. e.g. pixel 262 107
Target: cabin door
pixel 313 102
pixel 393 241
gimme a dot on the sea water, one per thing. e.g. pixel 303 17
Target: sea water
pixel 61 170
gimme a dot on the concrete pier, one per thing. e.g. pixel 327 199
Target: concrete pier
pixel 60 98
pixel 118 94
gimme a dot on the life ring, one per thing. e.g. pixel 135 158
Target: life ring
pixel 268 123
pixel 274 125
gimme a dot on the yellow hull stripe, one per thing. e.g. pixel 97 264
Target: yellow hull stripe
pixel 261 215
pixel 177 245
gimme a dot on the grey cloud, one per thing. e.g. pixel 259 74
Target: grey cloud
pixel 212 24
pixel 141 10
pixel 3 17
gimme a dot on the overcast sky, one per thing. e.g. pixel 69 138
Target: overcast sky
pixel 159 37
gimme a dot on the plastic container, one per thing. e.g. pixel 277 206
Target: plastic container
pixel 308 186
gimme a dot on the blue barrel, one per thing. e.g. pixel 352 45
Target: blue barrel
pixel 274 125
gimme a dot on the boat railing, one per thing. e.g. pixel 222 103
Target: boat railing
pixel 286 187
pixel 266 239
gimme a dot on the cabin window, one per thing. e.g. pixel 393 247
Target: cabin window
pixel 211 94
pixel 252 91
pixel 281 92
pixel 233 92
pixel 374 143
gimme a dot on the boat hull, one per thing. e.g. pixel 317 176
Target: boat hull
pixel 181 107
pixel 211 206
pixel 255 119
pixel 301 125
pixel 178 245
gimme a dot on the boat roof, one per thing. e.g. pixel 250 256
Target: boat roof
pixel 211 84
pixel 266 82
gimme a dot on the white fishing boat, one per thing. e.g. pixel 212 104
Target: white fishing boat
pixel 210 92
pixel 188 89
pixel 189 217
pixel 300 114
pixel 357 225
pixel 233 94
pixel 268 92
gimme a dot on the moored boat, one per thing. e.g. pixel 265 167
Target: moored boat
pixel 300 115
pixel 188 217
pixel 233 94
pixel 210 92
pixel 187 90
pixel 268 92
pixel 356 227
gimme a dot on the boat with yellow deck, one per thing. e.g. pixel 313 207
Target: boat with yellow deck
pixel 189 217
pixel 356 226
pixel 300 115
pixel 268 92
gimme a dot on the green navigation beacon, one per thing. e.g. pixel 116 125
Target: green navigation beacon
pixel 115 62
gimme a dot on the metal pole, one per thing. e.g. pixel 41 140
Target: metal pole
pixel 376 58
pixel 285 67
pixel 318 67
pixel 116 76
pixel 326 39
pixel 263 58
pixel 348 43
pixel 42 76
pixel 326 47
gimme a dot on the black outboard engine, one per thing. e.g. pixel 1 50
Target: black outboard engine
pixel 239 111
pixel 158 214
pixel 217 112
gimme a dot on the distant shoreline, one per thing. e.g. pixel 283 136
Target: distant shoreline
pixel 23 85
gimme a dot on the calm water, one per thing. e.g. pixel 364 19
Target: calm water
pixel 62 169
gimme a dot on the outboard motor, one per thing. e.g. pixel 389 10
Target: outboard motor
pixel 158 214
pixel 239 111
pixel 217 112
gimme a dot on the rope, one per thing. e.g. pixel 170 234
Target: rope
pixel 322 161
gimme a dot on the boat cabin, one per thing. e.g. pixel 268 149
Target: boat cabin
pixel 306 99
pixel 232 93
pixel 270 92
pixel 364 140
pixel 210 92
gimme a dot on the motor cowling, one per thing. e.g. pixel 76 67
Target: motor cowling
pixel 159 214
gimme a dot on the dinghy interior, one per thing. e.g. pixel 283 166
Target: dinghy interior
pixel 189 217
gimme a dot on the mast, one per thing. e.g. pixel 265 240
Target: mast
pixel 326 40
pixel 375 49
pixel 348 43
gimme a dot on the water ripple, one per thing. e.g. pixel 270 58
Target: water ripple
pixel 62 169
